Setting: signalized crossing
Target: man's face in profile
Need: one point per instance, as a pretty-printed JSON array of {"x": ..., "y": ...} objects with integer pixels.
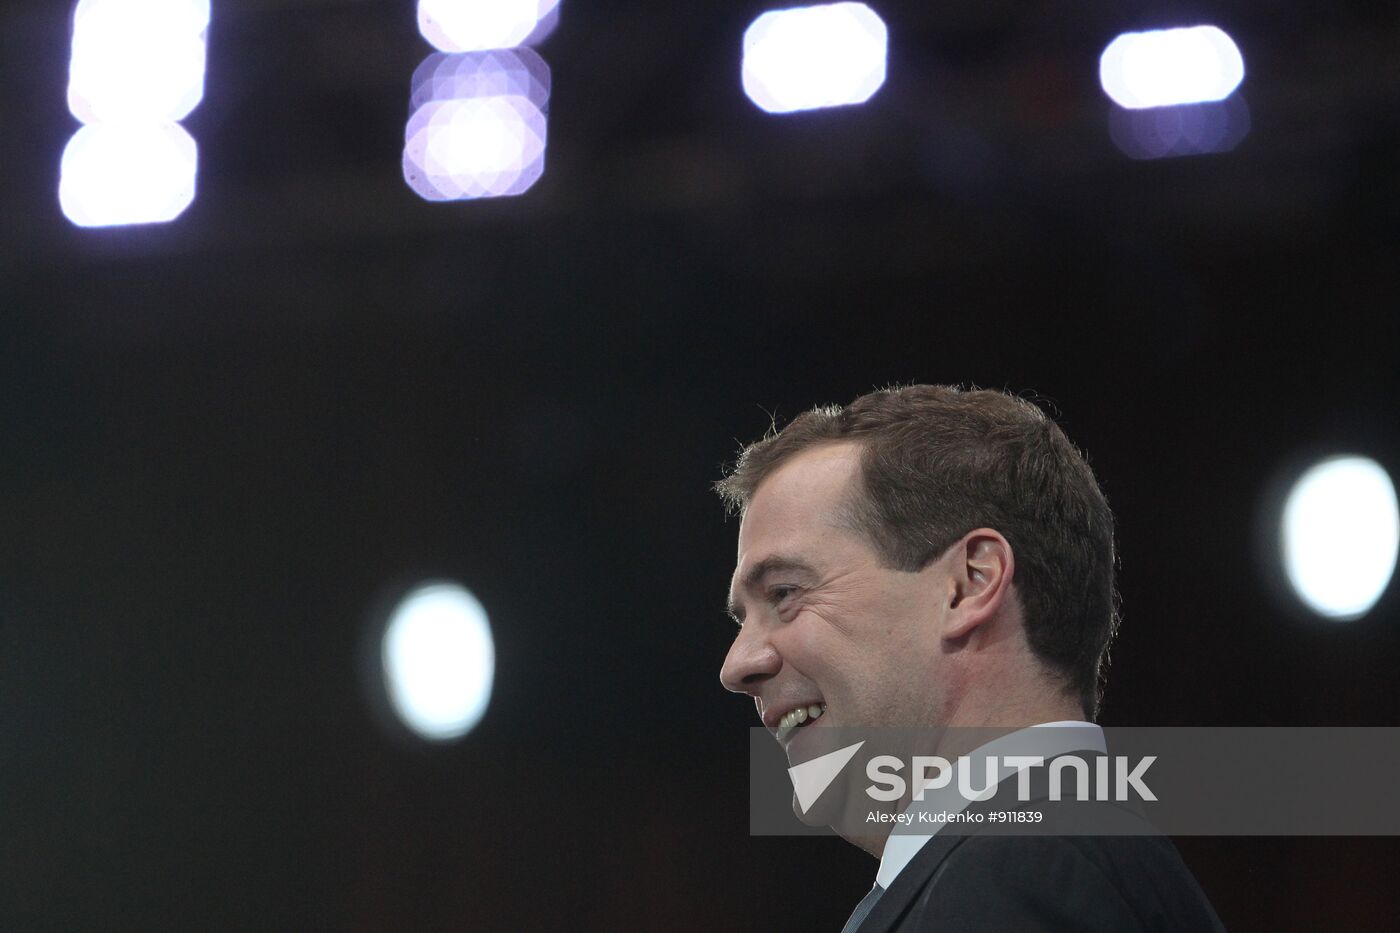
[{"x": 824, "y": 623}]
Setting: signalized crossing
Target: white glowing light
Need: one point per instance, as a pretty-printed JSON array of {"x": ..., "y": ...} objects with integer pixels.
[
  {"x": 1341, "y": 534},
  {"x": 475, "y": 25},
  {"x": 478, "y": 128},
  {"x": 136, "y": 67},
  {"x": 477, "y": 147},
  {"x": 1170, "y": 66},
  {"x": 137, "y": 60},
  {"x": 120, "y": 173},
  {"x": 810, "y": 57},
  {"x": 439, "y": 661},
  {"x": 166, "y": 17}
]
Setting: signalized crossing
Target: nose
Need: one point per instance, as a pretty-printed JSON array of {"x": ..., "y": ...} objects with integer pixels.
[{"x": 751, "y": 661}]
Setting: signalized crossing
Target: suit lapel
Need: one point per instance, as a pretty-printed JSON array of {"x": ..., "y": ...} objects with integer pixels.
[{"x": 895, "y": 903}]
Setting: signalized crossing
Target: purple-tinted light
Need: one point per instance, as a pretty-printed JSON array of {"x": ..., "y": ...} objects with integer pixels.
[
  {"x": 1190, "y": 129},
  {"x": 475, "y": 147},
  {"x": 478, "y": 128},
  {"x": 517, "y": 72}
]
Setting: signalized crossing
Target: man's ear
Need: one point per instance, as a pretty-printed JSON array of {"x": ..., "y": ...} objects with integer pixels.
[{"x": 981, "y": 568}]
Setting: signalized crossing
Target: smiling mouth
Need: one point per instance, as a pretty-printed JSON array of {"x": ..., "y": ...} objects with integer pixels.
[{"x": 797, "y": 718}]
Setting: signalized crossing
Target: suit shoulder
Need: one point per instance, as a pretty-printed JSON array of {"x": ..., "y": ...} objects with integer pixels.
[{"x": 1128, "y": 883}]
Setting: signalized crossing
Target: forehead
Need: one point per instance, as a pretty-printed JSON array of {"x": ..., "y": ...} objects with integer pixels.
[{"x": 801, "y": 503}]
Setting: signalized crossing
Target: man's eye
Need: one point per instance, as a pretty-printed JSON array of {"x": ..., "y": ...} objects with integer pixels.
[{"x": 780, "y": 593}]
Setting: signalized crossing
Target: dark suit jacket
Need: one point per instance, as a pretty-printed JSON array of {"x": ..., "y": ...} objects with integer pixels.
[{"x": 1000, "y": 883}]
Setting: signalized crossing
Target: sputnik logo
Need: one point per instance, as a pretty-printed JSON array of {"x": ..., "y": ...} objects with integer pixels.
[{"x": 811, "y": 778}]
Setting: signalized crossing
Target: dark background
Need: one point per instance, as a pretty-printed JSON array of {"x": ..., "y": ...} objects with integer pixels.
[{"x": 225, "y": 440}]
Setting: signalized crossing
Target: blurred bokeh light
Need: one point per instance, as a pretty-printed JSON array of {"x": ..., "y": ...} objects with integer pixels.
[
  {"x": 137, "y": 60},
  {"x": 1340, "y": 534},
  {"x": 519, "y": 72},
  {"x": 811, "y": 57},
  {"x": 478, "y": 127},
  {"x": 476, "y": 25},
  {"x": 136, "y": 67},
  {"x": 439, "y": 661},
  {"x": 1166, "y": 67},
  {"x": 1189, "y": 129},
  {"x": 122, "y": 173}
]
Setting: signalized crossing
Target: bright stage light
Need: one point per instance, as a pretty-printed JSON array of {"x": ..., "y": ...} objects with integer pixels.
[
  {"x": 811, "y": 57},
  {"x": 137, "y": 60},
  {"x": 1166, "y": 67},
  {"x": 439, "y": 661},
  {"x": 136, "y": 67},
  {"x": 1340, "y": 536},
  {"x": 476, "y": 148},
  {"x": 478, "y": 128},
  {"x": 476, "y": 25},
  {"x": 118, "y": 173}
]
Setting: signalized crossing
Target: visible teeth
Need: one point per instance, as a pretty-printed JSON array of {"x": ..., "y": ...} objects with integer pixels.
[{"x": 796, "y": 717}]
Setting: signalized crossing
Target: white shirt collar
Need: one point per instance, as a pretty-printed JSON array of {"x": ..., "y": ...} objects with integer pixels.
[{"x": 1041, "y": 739}]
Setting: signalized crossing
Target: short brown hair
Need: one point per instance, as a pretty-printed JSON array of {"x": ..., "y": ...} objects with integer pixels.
[{"x": 940, "y": 461}]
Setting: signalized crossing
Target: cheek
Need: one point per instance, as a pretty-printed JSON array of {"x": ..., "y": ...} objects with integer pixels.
[
  {"x": 841, "y": 668},
  {"x": 901, "y": 625},
  {"x": 802, "y": 645},
  {"x": 808, "y": 647}
]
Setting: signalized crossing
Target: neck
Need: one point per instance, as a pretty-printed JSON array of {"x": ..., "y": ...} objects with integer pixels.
[
  {"x": 970, "y": 730},
  {"x": 1010, "y": 711}
]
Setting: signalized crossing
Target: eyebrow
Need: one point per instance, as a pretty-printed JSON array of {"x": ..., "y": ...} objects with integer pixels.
[{"x": 762, "y": 569}]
